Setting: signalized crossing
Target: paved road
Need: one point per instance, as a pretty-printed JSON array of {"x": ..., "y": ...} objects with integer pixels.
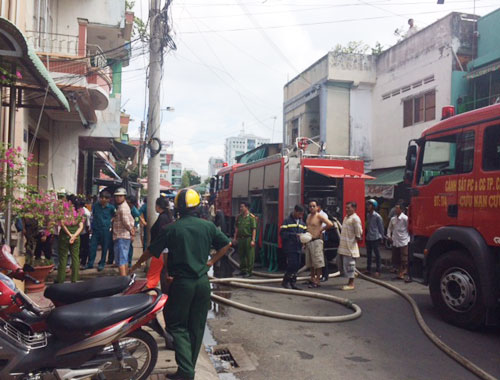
[{"x": 385, "y": 343}]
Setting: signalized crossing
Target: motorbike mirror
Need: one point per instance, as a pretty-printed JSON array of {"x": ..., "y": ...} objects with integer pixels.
[{"x": 28, "y": 268}]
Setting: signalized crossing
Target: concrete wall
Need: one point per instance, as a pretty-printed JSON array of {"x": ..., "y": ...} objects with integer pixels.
[
  {"x": 316, "y": 73},
  {"x": 427, "y": 53},
  {"x": 361, "y": 123},
  {"x": 335, "y": 119},
  {"x": 66, "y": 12},
  {"x": 488, "y": 41},
  {"x": 351, "y": 68}
]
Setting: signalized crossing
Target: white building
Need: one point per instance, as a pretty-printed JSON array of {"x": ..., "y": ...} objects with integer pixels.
[
  {"x": 214, "y": 165},
  {"x": 175, "y": 174},
  {"x": 84, "y": 46},
  {"x": 166, "y": 156},
  {"x": 372, "y": 106},
  {"x": 240, "y": 144}
]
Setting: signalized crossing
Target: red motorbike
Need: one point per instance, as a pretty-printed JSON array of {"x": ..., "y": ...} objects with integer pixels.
[
  {"x": 99, "y": 338},
  {"x": 69, "y": 293}
]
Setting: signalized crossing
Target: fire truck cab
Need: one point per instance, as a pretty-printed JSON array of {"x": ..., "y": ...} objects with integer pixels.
[
  {"x": 274, "y": 185},
  {"x": 453, "y": 171}
]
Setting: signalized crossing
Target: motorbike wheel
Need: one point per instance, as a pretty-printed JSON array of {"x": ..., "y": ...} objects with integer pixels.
[{"x": 140, "y": 352}]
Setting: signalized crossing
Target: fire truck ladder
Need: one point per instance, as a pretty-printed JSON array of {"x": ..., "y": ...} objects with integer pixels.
[{"x": 292, "y": 184}]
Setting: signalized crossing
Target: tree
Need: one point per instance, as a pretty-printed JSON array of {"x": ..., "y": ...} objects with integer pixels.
[
  {"x": 189, "y": 179},
  {"x": 357, "y": 47}
]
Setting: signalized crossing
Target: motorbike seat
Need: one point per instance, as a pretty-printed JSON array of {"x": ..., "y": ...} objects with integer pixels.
[
  {"x": 80, "y": 320},
  {"x": 67, "y": 293}
]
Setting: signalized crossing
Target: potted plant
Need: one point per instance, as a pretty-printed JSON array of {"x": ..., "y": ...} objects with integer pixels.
[{"x": 40, "y": 212}]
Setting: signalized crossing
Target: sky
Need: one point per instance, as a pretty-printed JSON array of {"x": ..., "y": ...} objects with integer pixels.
[{"x": 234, "y": 57}]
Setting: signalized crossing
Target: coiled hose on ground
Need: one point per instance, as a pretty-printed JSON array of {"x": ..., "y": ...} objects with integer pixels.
[{"x": 276, "y": 278}]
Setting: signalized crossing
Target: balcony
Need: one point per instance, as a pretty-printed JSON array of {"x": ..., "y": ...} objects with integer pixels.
[
  {"x": 53, "y": 43},
  {"x": 80, "y": 68}
]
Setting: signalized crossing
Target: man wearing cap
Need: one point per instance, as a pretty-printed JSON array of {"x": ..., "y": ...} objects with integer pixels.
[
  {"x": 189, "y": 241},
  {"x": 102, "y": 213},
  {"x": 123, "y": 231}
]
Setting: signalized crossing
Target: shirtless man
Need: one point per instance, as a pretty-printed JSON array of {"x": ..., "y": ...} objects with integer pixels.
[{"x": 316, "y": 224}]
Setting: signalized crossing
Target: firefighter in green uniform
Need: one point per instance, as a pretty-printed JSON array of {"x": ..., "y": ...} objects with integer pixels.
[
  {"x": 244, "y": 235},
  {"x": 188, "y": 240}
]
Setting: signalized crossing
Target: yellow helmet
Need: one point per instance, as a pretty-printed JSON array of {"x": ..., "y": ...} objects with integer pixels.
[{"x": 187, "y": 199}]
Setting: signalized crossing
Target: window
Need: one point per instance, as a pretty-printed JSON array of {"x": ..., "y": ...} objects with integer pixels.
[
  {"x": 491, "y": 148},
  {"x": 452, "y": 154},
  {"x": 420, "y": 108},
  {"x": 226, "y": 181}
]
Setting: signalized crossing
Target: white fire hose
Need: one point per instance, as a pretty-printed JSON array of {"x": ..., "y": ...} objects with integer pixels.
[{"x": 277, "y": 278}]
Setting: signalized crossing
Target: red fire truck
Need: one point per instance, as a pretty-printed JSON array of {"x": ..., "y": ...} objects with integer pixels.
[
  {"x": 274, "y": 185},
  {"x": 454, "y": 175}
]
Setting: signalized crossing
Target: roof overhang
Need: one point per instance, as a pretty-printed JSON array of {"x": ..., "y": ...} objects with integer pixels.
[
  {"x": 119, "y": 150},
  {"x": 483, "y": 70},
  {"x": 17, "y": 52},
  {"x": 338, "y": 172}
]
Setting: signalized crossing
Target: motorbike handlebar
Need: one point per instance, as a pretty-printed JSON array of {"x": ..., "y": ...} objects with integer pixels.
[
  {"x": 32, "y": 279},
  {"x": 27, "y": 304}
]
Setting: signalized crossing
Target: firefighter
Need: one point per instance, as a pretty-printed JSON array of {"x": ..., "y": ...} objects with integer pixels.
[
  {"x": 244, "y": 235},
  {"x": 290, "y": 232}
]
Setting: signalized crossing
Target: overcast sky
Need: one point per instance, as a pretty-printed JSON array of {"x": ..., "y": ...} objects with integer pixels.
[{"x": 233, "y": 58}]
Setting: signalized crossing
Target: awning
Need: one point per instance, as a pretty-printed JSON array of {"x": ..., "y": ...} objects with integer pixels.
[
  {"x": 391, "y": 176},
  {"x": 383, "y": 185},
  {"x": 119, "y": 150},
  {"x": 34, "y": 76},
  {"x": 483, "y": 70},
  {"x": 337, "y": 172}
]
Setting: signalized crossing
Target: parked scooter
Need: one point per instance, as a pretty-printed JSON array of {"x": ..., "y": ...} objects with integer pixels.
[
  {"x": 98, "y": 338},
  {"x": 69, "y": 293}
]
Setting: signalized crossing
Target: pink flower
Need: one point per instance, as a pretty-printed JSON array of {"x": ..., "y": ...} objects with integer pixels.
[
  {"x": 19, "y": 149},
  {"x": 19, "y": 75},
  {"x": 30, "y": 157}
]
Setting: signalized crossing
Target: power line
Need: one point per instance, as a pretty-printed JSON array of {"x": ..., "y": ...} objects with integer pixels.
[{"x": 323, "y": 22}]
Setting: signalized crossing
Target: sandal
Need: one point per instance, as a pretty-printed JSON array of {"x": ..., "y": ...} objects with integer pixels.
[
  {"x": 313, "y": 285},
  {"x": 347, "y": 287}
]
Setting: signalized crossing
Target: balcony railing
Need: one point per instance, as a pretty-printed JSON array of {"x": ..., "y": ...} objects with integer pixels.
[
  {"x": 469, "y": 103},
  {"x": 53, "y": 43}
]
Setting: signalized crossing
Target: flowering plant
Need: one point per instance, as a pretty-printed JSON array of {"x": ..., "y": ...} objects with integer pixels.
[{"x": 41, "y": 212}]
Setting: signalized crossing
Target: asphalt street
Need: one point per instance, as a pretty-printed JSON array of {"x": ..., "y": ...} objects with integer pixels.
[{"x": 385, "y": 343}]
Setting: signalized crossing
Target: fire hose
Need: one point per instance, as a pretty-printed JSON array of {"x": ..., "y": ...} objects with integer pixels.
[{"x": 276, "y": 278}]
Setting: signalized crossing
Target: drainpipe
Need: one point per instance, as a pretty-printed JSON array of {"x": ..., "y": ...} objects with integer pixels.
[{"x": 12, "y": 136}]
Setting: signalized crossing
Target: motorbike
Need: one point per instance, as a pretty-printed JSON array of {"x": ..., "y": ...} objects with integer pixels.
[
  {"x": 100, "y": 338},
  {"x": 69, "y": 293}
]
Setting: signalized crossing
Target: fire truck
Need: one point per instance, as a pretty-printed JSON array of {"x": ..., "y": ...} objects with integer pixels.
[
  {"x": 273, "y": 185},
  {"x": 453, "y": 171}
]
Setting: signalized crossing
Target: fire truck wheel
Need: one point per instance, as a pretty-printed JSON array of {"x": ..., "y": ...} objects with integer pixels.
[{"x": 455, "y": 290}]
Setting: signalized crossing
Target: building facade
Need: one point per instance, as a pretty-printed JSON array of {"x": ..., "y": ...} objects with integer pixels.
[
  {"x": 166, "y": 157},
  {"x": 84, "y": 45},
  {"x": 214, "y": 165},
  {"x": 240, "y": 144},
  {"x": 371, "y": 106},
  {"x": 175, "y": 174}
]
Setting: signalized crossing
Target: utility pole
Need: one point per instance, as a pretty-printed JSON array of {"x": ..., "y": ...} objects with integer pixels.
[
  {"x": 142, "y": 147},
  {"x": 154, "y": 84}
]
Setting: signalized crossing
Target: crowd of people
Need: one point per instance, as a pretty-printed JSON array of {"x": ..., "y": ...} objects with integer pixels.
[{"x": 307, "y": 235}]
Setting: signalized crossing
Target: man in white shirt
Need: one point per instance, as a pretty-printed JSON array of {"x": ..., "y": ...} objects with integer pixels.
[
  {"x": 348, "y": 251},
  {"x": 399, "y": 237}
]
